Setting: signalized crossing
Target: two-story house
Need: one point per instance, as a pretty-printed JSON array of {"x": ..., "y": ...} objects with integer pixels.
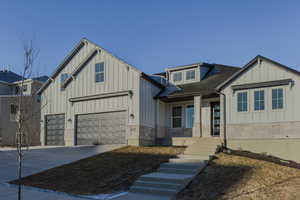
[
  {"x": 10, "y": 89},
  {"x": 94, "y": 97}
]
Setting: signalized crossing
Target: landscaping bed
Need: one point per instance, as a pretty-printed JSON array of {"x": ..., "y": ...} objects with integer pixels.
[
  {"x": 243, "y": 178},
  {"x": 104, "y": 173}
]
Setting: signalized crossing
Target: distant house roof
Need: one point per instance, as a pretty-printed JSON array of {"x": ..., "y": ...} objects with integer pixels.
[
  {"x": 9, "y": 76},
  {"x": 41, "y": 78},
  {"x": 217, "y": 75}
]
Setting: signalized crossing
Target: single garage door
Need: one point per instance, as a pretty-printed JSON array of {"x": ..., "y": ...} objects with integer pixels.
[
  {"x": 101, "y": 128},
  {"x": 55, "y": 128}
]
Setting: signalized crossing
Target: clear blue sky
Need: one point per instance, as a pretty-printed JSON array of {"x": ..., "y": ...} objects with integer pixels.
[{"x": 153, "y": 34}]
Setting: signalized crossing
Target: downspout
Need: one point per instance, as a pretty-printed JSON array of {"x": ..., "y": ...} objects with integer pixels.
[{"x": 224, "y": 118}]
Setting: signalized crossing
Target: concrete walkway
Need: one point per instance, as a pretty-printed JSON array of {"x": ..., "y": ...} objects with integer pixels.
[
  {"x": 173, "y": 176},
  {"x": 40, "y": 159}
]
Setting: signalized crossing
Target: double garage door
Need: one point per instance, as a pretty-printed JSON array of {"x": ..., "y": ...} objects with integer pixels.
[
  {"x": 101, "y": 128},
  {"x": 98, "y": 128}
]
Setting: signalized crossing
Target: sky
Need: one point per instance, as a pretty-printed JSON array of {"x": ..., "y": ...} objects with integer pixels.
[{"x": 152, "y": 34}]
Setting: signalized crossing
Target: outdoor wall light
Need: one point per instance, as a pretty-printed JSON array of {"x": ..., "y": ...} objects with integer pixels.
[
  {"x": 131, "y": 116},
  {"x": 69, "y": 120}
]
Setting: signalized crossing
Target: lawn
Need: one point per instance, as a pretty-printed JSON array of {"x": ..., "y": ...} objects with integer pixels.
[
  {"x": 104, "y": 173},
  {"x": 242, "y": 178}
]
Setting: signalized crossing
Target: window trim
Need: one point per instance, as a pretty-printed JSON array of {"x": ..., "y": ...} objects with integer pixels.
[
  {"x": 185, "y": 112},
  {"x": 187, "y": 71},
  {"x": 96, "y": 73},
  {"x": 173, "y": 79},
  {"x": 181, "y": 117},
  {"x": 283, "y": 99},
  {"x": 248, "y": 103},
  {"x": 265, "y": 100}
]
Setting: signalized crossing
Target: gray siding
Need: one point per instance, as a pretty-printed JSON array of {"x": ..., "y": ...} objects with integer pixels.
[{"x": 5, "y": 89}]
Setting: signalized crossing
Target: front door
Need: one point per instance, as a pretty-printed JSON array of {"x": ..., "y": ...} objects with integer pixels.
[{"x": 215, "y": 119}]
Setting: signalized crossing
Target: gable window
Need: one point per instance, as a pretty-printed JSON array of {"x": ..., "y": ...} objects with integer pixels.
[
  {"x": 190, "y": 75},
  {"x": 259, "y": 100},
  {"x": 242, "y": 102},
  {"x": 177, "y": 76},
  {"x": 63, "y": 78},
  {"x": 189, "y": 113},
  {"x": 177, "y": 117},
  {"x": 277, "y": 98},
  {"x": 99, "y": 72}
]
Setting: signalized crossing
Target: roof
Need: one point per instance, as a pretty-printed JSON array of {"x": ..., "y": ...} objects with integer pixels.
[
  {"x": 217, "y": 75},
  {"x": 9, "y": 76},
  {"x": 41, "y": 78},
  {"x": 250, "y": 64}
]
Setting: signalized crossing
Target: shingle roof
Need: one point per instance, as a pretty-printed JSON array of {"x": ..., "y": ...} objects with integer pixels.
[
  {"x": 9, "y": 76},
  {"x": 207, "y": 86},
  {"x": 41, "y": 78}
]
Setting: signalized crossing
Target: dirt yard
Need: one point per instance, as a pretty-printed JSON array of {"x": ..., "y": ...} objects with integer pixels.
[
  {"x": 241, "y": 178},
  {"x": 104, "y": 173}
]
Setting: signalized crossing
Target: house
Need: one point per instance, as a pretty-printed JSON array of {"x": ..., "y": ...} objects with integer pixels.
[
  {"x": 94, "y": 97},
  {"x": 10, "y": 88}
]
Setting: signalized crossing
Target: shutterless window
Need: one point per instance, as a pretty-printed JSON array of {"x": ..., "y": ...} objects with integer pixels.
[
  {"x": 242, "y": 101},
  {"x": 177, "y": 76},
  {"x": 13, "y": 109},
  {"x": 189, "y": 113},
  {"x": 259, "y": 100},
  {"x": 25, "y": 88},
  {"x": 99, "y": 72},
  {"x": 190, "y": 75},
  {"x": 277, "y": 98},
  {"x": 177, "y": 117}
]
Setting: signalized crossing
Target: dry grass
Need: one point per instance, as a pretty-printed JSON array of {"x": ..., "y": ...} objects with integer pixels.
[
  {"x": 241, "y": 178},
  {"x": 104, "y": 173}
]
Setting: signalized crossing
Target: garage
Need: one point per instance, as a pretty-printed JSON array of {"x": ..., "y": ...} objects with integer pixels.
[
  {"x": 101, "y": 128},
  {"x": 55, "y": 128}
]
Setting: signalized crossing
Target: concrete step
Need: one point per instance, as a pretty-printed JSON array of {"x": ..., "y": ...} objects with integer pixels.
[
  {"x": 153, "y": 191},
  {"x": 183, "y": 165},
  {"x": 194, "y": 156},
  {"x": 154, "y": 184},
  {"x": 185, "y": 161},
  {"x": 177, "y": 171},
  {"x": 166, "y": 178}
]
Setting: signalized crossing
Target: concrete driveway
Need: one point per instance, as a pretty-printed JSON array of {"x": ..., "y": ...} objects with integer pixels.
[{"x": 37, "y": 160}]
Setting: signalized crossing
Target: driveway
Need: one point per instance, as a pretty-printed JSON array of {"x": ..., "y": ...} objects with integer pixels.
[{"x": 36, "y": 160}]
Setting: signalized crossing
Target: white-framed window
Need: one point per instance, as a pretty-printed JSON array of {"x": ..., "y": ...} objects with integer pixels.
[
  {"x": 99, "y": 72},
  {"x": 259, "y": 100},
  {"x": 189, "y": 116},
  {"x": 242, "y": 101},
  {"x": 177, "y": 117},
  {"x": 190, "y": 75},
  {"x": 177, "y": 76},
  {"x": 277, "y": 98}
]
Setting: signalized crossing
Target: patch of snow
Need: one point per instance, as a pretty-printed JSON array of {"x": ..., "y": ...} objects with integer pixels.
[{"x": 105, "y": 196}]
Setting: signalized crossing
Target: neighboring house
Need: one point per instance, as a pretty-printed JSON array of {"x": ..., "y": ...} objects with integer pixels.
[
  {"x": 94, "y": 97},
  {"x": 10, "y": 88}
]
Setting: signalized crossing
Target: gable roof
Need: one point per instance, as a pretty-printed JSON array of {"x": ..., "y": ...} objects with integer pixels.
[
  {"x": 9, "y": 76},
  {"x": 205, "y": 87},
  {"x": 250, "y": 64}
]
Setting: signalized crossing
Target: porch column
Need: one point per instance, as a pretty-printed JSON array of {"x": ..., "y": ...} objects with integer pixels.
[{"x": 197, "y": 116}]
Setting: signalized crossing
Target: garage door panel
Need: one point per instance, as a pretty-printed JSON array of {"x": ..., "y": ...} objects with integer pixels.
[
  {"x": 102, "y": 128},
  {"x": 55, "y": 125}
]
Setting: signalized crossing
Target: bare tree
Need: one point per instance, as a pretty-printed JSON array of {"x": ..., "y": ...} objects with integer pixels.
[{"x": 26, "y": 110}]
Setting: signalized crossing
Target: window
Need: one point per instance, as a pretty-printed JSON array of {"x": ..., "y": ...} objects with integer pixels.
[
  {"x": 242, "y": 101},
  {"x": 13, "y": 112},
  {"x": 176, "y": 117},
  {"x": 63, "y": 78},
  {"x": 177, "y": 76},
  {"x": 189, "y": 113},
  {"x": 99, "y": 72},
  {"x": 277, "y": 98},
  {"x": 25, "y": 87},
  {"x": 190, "y": 75},
  {"x": 17, "y": 89},
  {"x": 259, "y": 100}
]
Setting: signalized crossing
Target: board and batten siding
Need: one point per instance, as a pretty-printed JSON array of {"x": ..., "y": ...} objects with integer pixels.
[{"x": 118, "y": 77}]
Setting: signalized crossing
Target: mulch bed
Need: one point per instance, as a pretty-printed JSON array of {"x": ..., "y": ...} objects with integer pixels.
[{"x": 104, "y": 173}]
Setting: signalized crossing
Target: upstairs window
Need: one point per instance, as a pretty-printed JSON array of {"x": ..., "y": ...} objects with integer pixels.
[
  {"x": 177, "y": 117},
  {"x": 242, "y": 102},
  {"x": 177, "y": 76},
  {"x": 259, "y": 100},
  {"x": 13, "y": 112},
  {"x": 190, "y": 75},
  {"x": 99, "y": 72},
  {"x": 25, "y": 88},
  {"x": 277, "y": 98}
]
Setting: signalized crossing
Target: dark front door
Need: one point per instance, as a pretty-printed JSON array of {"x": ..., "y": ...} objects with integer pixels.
[{"x": 215, "y": 119}]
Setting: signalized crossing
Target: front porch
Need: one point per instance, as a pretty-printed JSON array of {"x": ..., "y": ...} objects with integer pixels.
[{"x": 190, "y": 119}]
